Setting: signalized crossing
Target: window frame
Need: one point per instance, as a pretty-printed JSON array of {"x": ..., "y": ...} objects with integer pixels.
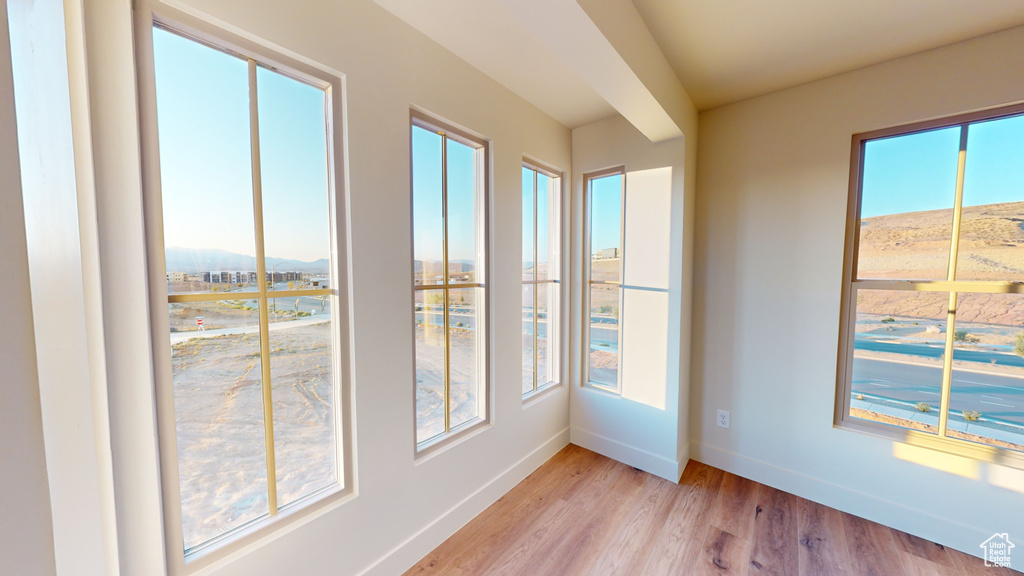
[
  {"x": 850, "y": 283},
  {"x": 587, "y": 282},
  {"x": 453, "y": 434},
  {"x": 555, "y": 337},
  {"x": 332, "y": 82}
]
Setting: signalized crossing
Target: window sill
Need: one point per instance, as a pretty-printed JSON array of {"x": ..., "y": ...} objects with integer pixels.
[
  {"x": 536, "y": 396},
  {"x": 954, "y": 446},
  {"x": 234, "y": 544},
  {"x": 438, "y": 444}
]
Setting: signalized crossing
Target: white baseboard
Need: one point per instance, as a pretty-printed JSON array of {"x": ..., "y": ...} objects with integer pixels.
[
  {"x": 682, "y": 459},
  {"x": 657, "y": 465},
  {"x": 409, "y": 552},
  {"x": 920, "y": 523}
]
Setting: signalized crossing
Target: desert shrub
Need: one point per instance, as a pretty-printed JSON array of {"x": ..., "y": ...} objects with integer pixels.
[
  {"x": 888, "y": 320},
  {"x": 971, "y": 416},
  {"x": 923, "y": 407},
  {"x": 1018, "y": 344}
]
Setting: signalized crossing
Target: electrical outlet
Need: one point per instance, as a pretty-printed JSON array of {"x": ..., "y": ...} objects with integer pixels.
[{"x": 723, "y": 419}]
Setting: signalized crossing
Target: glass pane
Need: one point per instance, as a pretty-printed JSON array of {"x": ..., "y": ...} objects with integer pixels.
[
  {"x": 304, "y": 309},
  {"x": 427, "y": 207},
  {"x": 528, "y": 230},
  {"x": 604, "y": 334},
  {"x": 462, "y": 211},
  {"x": 605, "y": 223},
  {"x": 554, "y": 235},
  {"x": 908, "y": 190},
  {"x": 897, "y": 360},
  {"x": 464, "y": 318},
  {"x": 545, "y": 372},
  {"x": 305, "y": 434},
  {"x": 543, "y": 227},
  {"x": 991, "y": 237},
  {"x": 430, "y": 370},
  {"x": 986, "y": 401},
  {"x": 293, "y": 164},
  {"x": 528, "y": 340},
  {"x": 205, "y": 167},
  {"x": 218, "y": 412}
]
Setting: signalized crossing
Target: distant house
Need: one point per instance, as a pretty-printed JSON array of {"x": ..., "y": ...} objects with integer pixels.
[{"x": 607, "y": 253}]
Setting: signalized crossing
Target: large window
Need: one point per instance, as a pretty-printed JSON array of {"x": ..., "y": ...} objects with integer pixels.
[
  {"x": 541, "y": 272},
  {"x": 247, "y": 233},
  {"x": 605, "y": 199},
  {"x": 933, "y": 310},
  {"x": 449, "y": 247}
]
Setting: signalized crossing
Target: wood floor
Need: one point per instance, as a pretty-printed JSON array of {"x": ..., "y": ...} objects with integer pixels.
[{"x": 582, "y": 513}]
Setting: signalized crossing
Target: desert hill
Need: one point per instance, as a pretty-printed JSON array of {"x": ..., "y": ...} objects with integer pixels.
[{"x": 915, "y": 246}]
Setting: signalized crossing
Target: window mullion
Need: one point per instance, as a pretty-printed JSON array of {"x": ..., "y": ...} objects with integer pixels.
[
  {"x": 536, "y": 272},
  {"x": 622, "y": 277},
  {"x": 954, "y": 247},
  {"x": 261, "y": 280},
  {"x": 444, "y": 282}
]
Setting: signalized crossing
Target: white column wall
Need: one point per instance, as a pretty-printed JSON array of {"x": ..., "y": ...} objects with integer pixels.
[
  {"x": 26, "y": 531},
  {"x": 645, "y": 425}
]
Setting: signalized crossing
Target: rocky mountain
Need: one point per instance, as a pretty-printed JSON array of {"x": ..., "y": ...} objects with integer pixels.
[{"x": 193, "y": 260}]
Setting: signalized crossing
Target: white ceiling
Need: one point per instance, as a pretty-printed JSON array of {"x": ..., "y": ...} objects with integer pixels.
[
  {"x": 493, "y": 40},
  {"x": 582, "y": 60},
  {"x": 728, "y": 50}
]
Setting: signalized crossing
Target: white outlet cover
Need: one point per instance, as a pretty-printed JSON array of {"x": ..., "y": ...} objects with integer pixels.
[{"x": 723, "y": 419}]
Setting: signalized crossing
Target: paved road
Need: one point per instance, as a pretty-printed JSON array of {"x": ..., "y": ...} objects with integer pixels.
[
  {"x": 994, "y": 395},
  {"x": 929, "y": 350},
  {"x": 601, "y": 337}
]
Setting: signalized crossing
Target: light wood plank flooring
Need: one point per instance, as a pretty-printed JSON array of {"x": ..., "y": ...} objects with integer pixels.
[{"x": 582, "y": 513}]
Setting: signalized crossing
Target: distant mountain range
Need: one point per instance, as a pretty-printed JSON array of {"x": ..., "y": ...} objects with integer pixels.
[{"x": 194, "y": 260}]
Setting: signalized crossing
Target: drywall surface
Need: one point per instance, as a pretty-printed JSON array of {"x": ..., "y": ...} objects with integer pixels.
[
  {"x": 641, "y": 424},
  {"x": 404, "y": 507},
  {"x": 773, "y": 178},
  {"x": 26, "y": 531}
]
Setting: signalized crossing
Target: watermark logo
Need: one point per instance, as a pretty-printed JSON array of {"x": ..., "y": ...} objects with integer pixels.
[{"x": 997, "y": 550}]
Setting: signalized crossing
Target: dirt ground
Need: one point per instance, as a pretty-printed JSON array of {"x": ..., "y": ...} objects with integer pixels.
[
  {"x": 430, "y": 379},
  {"x": 904, "y": 423},
  {"x": 219, "y": 416}
]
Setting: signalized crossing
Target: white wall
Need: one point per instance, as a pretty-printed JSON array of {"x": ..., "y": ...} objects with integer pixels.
[
  {"x": 404, "y": 508},
  {"x": 644, "y": 426},
  {"x": 772, "y": 192},
  {"x": 26, "y": 531}
]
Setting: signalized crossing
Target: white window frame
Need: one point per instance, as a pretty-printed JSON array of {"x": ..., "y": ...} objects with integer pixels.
[
  {"x": 588, "y": 282},
  {"x": 447, "y": 129},
  {"x": 848, "y": 308},
  {"x": 332, "y": 82},
  {"x": 555, "y": 321}
]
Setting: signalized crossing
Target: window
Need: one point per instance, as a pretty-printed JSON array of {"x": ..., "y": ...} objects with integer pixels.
[
  {"x": 933, "y": 307},
  {"x": 449, "y": 286},
  {"x": 605, "y": 202},
  {"x": 541, "y": 272},
  {"x": 248, "y": 240}
]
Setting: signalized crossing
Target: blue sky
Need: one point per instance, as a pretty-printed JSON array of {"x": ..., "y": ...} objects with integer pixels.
[
  {"x": 543, "y": 200},
  {"x": 917, "y": 172},
  {"x": 205, "y": 156},
  {"x": 605, "y": 212},
  {"x": 428, "y": 231}
]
